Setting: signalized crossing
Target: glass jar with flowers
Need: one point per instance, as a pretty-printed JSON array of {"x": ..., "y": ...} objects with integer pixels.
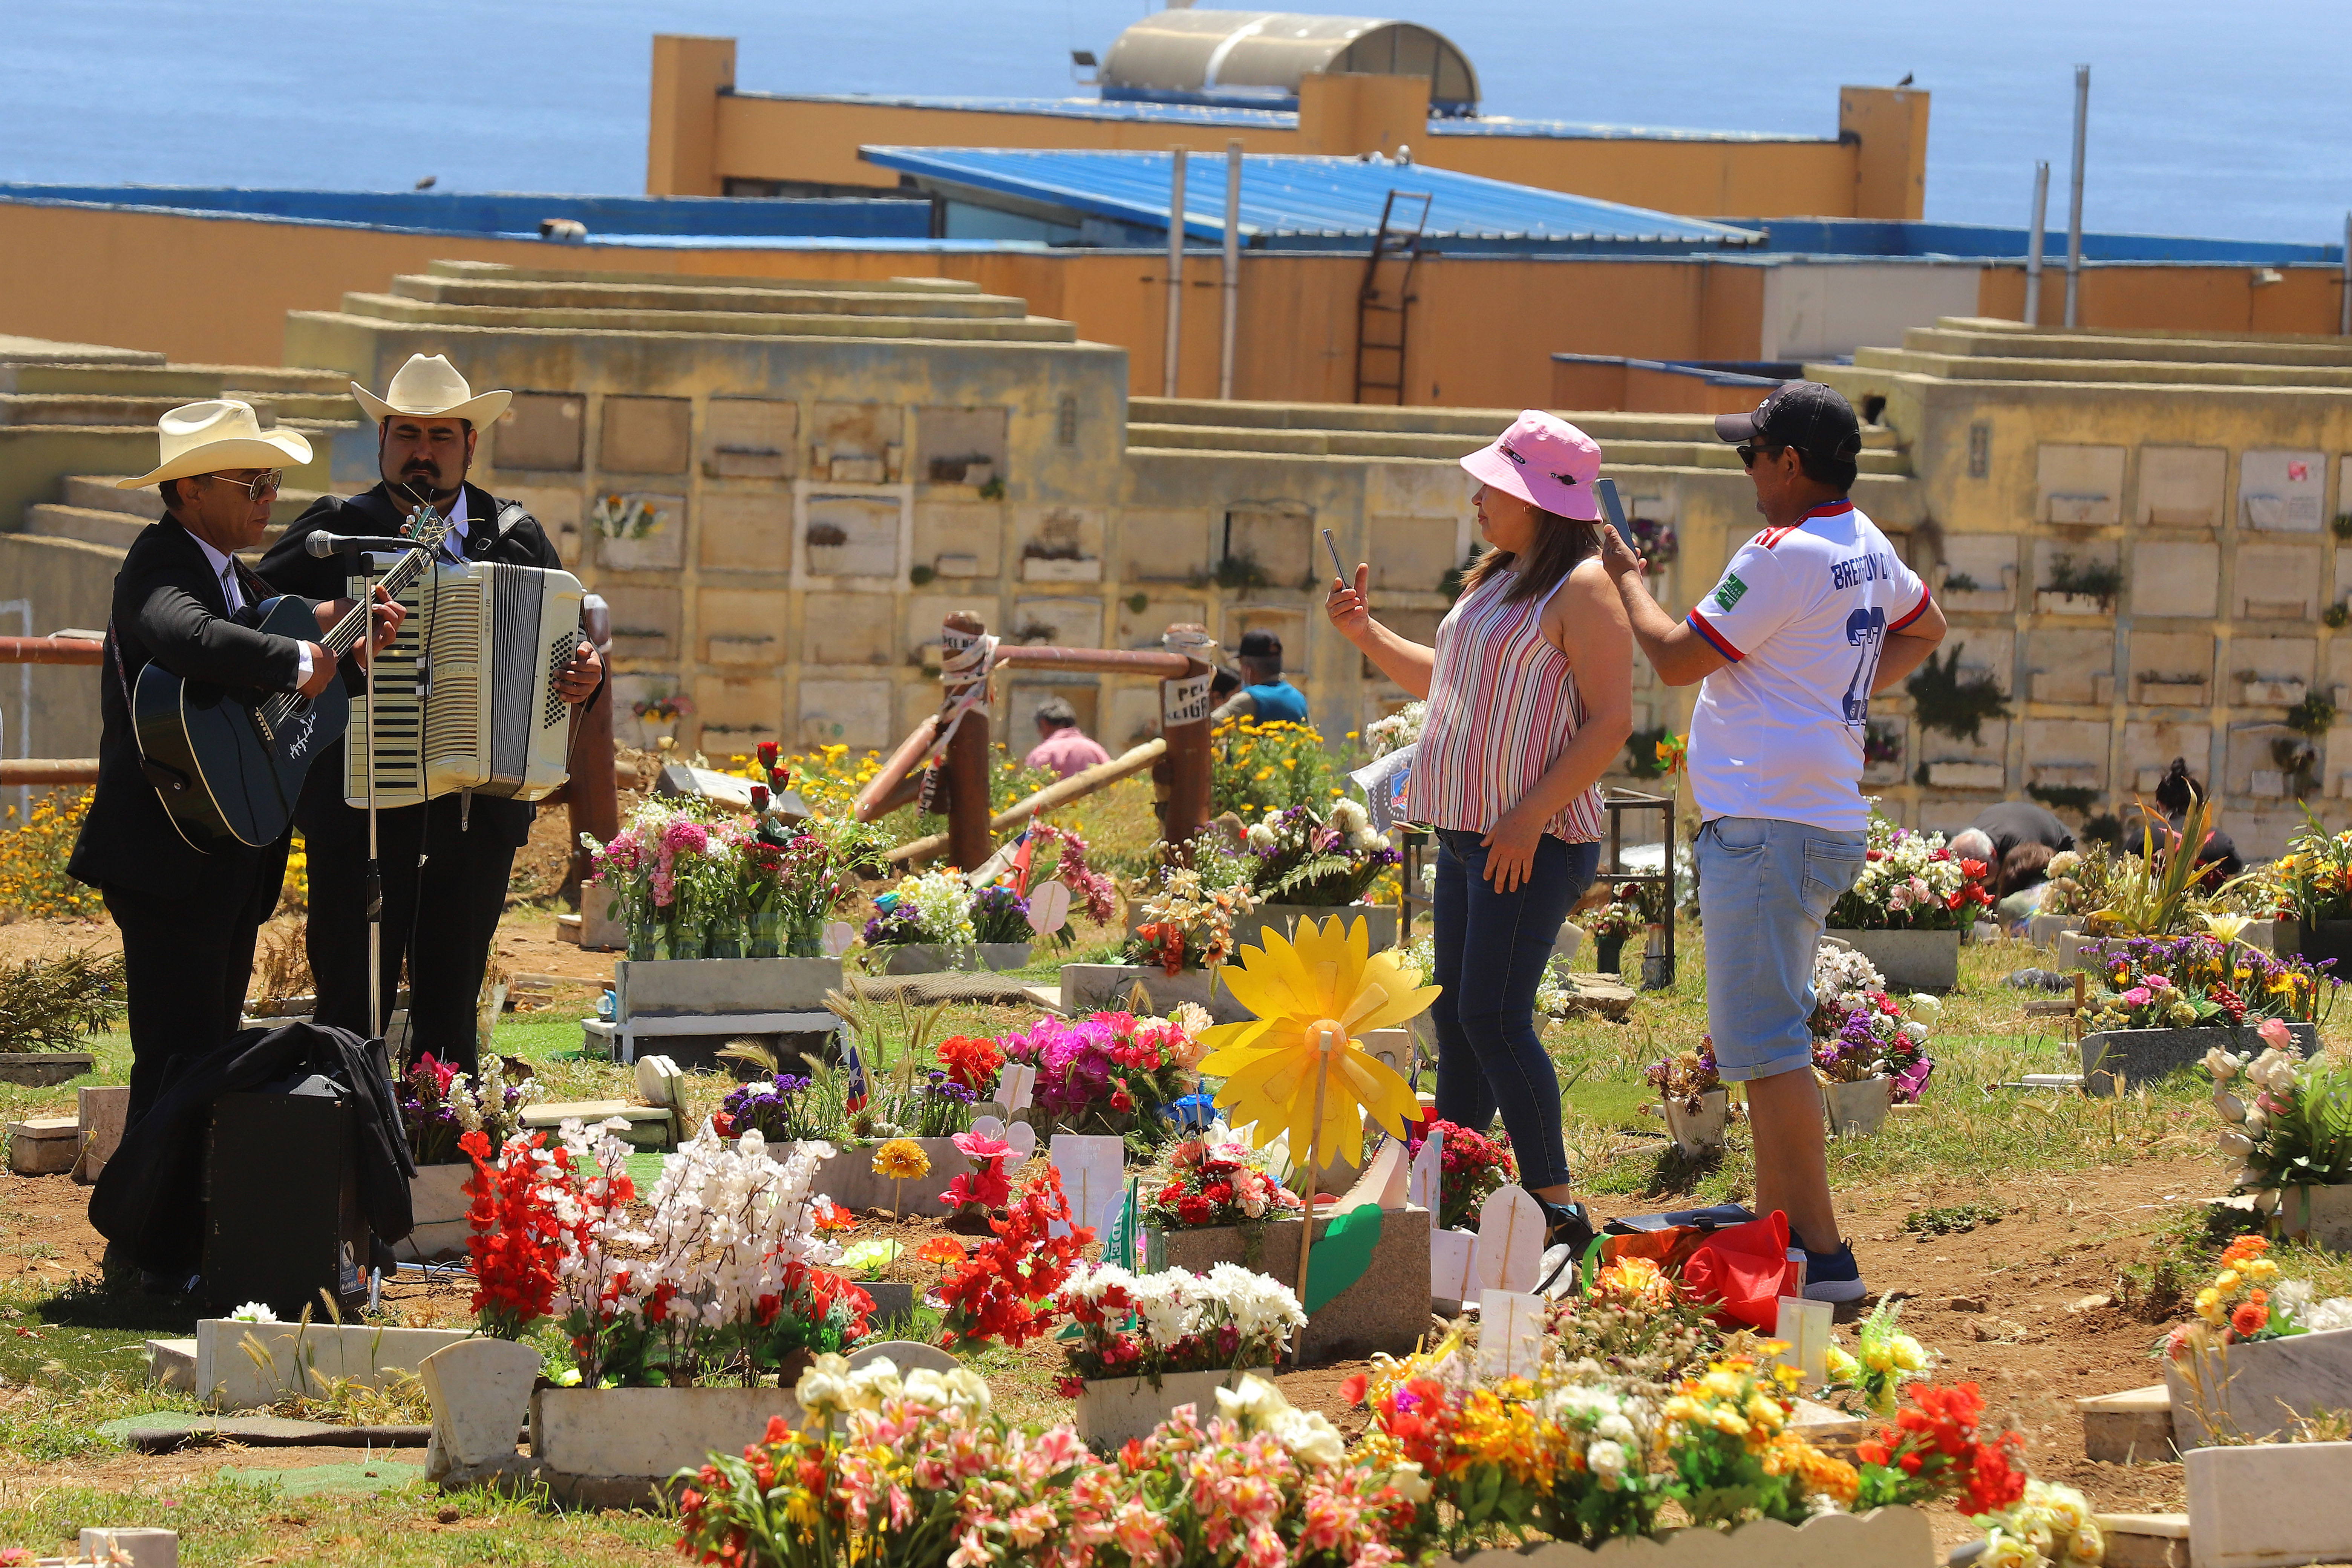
[
  {"x": 1614, "y": 924},
  {"x": 1149, "y": 1342}
]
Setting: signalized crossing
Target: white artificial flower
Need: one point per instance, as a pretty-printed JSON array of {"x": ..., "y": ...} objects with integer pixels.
[
  {"x": 1926, "y": 1008},
  {"x": 1914, "y": 1031},
  {"x": 824, "y": 1387},
  {"x": 253, "y": 1312},
  {"x": 2221, "y": 1065},
  {"x": 1410, "y": 1483},
  {"x": 875, "y": 1381},
  {"x": 1606, "y": 1459},
  {"x": 1309, "y": 1436},
  {"x": 1260, "y": 835},
  {"x": 967, "y": 1388},
  {"x": 2335, "y": 1312},
  {"x": 1349, "y": 817},
  {"x": 2274, "y": 1071},
  {"x": 2232, "y": 1110},
  {"x": 1251, "y": 1402},
  {"x": 2234, "y": 1144}
]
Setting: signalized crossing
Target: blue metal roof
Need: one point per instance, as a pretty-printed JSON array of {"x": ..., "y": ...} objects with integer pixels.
[
  {"x": 1286, "y": 200},
  {"x": 610, "y": 220}
]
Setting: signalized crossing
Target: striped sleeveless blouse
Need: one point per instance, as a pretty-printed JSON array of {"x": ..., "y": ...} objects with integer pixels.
[{"x": 1503, "y": 706}]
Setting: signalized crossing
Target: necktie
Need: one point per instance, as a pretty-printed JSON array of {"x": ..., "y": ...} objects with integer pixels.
[{"x": 229, "y": 595}]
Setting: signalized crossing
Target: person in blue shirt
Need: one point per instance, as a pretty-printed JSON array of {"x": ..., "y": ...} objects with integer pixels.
[{"x": 1264, "y": 695}]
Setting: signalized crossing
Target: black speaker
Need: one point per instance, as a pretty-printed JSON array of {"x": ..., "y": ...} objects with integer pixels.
[{"x": 282, "y": 1217}]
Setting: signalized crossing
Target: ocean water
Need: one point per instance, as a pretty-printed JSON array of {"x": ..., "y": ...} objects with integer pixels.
[{"x": 2207, "y": 120}]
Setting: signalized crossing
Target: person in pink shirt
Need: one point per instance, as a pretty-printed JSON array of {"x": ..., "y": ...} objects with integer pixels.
[{"x": 1061, "y": 744}]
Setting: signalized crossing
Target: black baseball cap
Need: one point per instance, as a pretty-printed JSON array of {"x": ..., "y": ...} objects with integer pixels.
[
  {"x": 1260, "y": 645},
  {"x": 1801, "y": 413}
]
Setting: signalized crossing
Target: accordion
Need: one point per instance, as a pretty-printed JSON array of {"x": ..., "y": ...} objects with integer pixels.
[{"x": 465, "y": 698}]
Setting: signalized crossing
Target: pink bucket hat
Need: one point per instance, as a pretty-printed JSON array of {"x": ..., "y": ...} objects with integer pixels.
[{"x": 1545, "y": 461}]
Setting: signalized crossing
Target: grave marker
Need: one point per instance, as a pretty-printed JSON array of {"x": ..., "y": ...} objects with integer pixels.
[
  {"x": 1511, "y": 1333},
  {"x": 1093, "y": 1172},
  {"x": 1425, "y": 1186},
  {"x": 1510, "y": 1240},
  {"x": 1451, "y": 1255}
]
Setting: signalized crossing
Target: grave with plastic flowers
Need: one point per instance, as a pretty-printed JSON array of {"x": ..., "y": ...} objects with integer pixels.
[{"x": 1298, "y": 1072}]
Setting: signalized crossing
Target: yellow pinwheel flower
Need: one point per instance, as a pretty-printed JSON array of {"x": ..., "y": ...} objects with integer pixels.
[{"x": 1314, "y": 997}]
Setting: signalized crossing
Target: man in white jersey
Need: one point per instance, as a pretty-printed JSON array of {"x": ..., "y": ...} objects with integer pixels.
[{"x": 1811, "y": 616}]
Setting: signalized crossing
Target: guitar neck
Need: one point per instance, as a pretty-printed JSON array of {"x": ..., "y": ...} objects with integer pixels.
[{"x": 345, "y": 634}]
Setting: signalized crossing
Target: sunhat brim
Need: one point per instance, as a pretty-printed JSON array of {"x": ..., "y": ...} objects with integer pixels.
[
  {"x": 477, "y": 411},
  {"x": 1488, "y": 466},
  {"x": 272, "y": 449}
]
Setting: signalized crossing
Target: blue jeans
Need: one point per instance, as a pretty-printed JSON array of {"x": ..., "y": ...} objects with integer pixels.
[
  {"x": 1765, "y": 888},
  {"x": 1491, "y": 950}
]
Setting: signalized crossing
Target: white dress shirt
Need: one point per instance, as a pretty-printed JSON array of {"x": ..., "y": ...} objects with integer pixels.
[{"x": 224, "y": 570}]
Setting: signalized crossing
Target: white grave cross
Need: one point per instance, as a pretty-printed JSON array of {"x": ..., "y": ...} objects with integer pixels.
[
  {"x": 1511, "y": 1333},
  {"x": 1093, "y": 1172},
  {"x": 1425, "y": 1186},
  {"x": 1015, "y": 1084},
  {"x": 1510, "y": 1240}
]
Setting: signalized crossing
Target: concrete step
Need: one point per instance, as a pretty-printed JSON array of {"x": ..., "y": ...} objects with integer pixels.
[
  {"x": 87, "y": 492},
  {"x": 48, "y": 350},
  {"x": 178, "y": 382},
  {"x": 2012, "y": 340},
  {"x": 274, "y": 379},
  {"x": 494, "y": 271},
  {"x": 87, "y": 408},
  {"x": 1478, "y": 424},
  {"x": 97, "y": 492},
  {"x": 337, "y": 407},
  {"x": 116, "y": 530},
  {"x": 417, "y": 312},
  {"x": 685, "y": 295},
  {"x": 1615, "y": 451},
  {"x": 2135, "y": 1425},
  {"x": 2117, "y": 371}
]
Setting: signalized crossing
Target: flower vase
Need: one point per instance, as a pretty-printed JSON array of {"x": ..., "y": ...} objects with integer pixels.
[
  {"x": 723, "y": 938},
  {"x": 806, "y": 942},
  {"x": 645, "y": 945},
  {"x": 1605, "y": 954},
  {"x": 767, "y": 935}
]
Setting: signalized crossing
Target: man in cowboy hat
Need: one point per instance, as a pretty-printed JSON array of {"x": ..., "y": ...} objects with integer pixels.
[
  {"x": 444, "y": 863},
  {"x": 183, "y": 599}
]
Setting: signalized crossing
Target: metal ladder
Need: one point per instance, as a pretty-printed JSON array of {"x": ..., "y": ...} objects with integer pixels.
[{"x": 1398, "y": 247}]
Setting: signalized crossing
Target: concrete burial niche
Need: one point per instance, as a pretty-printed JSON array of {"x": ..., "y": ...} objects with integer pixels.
[
  {"x": 649, "y": 1434},
  {"x": 1093, "y": 987},
  {"x": 242, "y": 1365},
  {"x": 2118, "y": 1060},
  {"x": 1113, "y": 1409},
  {"x": 2261, "y": 1385},
  {"x": 1386, "y": 1308},
  {"x": 2269, "y": 1505}
]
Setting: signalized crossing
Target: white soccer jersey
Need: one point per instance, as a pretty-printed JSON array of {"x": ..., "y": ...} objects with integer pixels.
[{"x": 1802, "y": 614}]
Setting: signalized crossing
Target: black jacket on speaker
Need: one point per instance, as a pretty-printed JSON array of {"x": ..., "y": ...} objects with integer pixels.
[{"x": 150, "y": 1196}]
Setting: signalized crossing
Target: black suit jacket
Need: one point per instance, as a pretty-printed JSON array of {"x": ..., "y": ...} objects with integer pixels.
[
  {"x": 496, "y": 531},
  {"x": 168, "y": 608}
]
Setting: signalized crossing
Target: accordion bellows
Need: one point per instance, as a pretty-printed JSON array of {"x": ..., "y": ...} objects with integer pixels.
[{"x": 465, "y": 698}]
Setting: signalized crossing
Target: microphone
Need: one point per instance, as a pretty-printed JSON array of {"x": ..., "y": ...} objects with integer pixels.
[{"x": 324, "y": 544}]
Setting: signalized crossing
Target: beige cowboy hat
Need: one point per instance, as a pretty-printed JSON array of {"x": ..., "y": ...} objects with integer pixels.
[
  {"x": 429, "y": 387},
  {"x": 213, "y": 437}
]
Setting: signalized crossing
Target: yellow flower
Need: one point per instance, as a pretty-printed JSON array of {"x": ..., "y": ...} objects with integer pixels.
[
  {"x": 901, "y": 1159},
  {"x": 1842, "y": 1368},
  {"x": 2226, "y": 1280},
  {"x": 1909, "y": 1355},
  {"x": 1313, "y": 998},
  {"x": 2209, "y": 1304}
]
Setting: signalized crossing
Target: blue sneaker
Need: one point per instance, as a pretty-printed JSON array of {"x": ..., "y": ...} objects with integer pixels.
[{"x": 1833, "y": 1276}]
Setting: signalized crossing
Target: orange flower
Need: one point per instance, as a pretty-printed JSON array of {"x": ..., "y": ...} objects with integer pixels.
[
  {"x": 942, "y": 1250},
  {"x": 2244, "y": 1247},
  {"x": 832, "y": 1219},
  {"x": 2249, "y": 1318}
]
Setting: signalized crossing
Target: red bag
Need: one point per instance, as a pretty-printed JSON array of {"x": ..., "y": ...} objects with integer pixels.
[{"x": 1746, "y": 1269}]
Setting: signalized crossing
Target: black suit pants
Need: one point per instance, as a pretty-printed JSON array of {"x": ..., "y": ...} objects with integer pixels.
[
  {"x": 441, "y": 917},
  {"x": 188, "y": 960}
]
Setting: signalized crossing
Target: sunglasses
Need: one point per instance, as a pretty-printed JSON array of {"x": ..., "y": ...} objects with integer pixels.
[
  {"x": 262, "y": 486},
  {"x": 1750, "y": 450}
]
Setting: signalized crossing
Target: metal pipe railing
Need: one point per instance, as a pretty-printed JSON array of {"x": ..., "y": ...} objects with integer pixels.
[{"x": 50, "y": 650}]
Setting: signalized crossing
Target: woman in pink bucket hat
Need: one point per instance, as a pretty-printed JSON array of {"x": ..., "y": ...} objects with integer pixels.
[{"x": 1530, "y": 696}]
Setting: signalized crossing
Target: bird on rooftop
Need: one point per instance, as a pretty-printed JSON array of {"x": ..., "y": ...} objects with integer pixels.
[
  {"x": 1906, "y": 81},
  {"x": 427, "y": 183}
]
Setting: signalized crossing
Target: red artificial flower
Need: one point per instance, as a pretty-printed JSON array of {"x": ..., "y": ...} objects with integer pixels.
[
  {"x": 1122, "y": 1101},
  {"x": 1000, "y": 1290},
  {"x": 769, "y": 751},
  {"x": 971, "y": 1061},
  {"x": 1195, "y": 1210},
  {"x": 2249, "y": 1319},
  {"x": 1351, "y": 1387}
]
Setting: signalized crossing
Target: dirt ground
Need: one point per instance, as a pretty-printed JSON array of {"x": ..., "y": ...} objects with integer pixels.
[{"x": 2024, "y": 1306}]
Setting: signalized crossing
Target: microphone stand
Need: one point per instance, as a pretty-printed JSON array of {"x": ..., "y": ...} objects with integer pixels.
[{"x": 371, "y": 879}]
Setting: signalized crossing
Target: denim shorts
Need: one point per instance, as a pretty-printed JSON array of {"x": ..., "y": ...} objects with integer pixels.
[{"x": 1765, "y": 888}]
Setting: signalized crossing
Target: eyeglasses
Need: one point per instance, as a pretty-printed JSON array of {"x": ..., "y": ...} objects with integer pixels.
[
  {"x": 262, "y": 486},
  {"x": 1750, "y": 450}
]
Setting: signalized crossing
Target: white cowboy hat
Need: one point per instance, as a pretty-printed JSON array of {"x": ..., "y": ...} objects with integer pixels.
[
  {"x": 213, "y": 437},
  {"x": 429, "y": 387}
]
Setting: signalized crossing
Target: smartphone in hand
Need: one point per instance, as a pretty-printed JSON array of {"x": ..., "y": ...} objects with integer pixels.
[
  {"x": 1614, "y": 510},
  {"x": 1336, "y": 565}
]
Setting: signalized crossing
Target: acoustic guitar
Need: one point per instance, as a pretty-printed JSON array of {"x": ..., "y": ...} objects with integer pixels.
[{"x": 227, "y": 762}]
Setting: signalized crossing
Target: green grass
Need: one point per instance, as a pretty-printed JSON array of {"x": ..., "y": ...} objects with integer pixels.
[{"x": 227, "y": 1518}]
